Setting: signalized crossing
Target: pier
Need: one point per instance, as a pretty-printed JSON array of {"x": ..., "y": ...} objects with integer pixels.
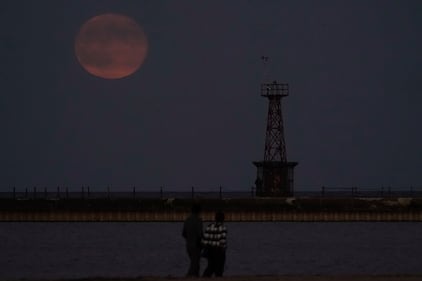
[{"x": 236, "y": 210}]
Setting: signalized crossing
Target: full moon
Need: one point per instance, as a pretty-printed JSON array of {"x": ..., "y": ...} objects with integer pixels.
[{"x": 111, "y": 46}]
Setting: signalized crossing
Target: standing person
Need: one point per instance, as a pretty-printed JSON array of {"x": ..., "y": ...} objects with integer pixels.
[
  {"x": 192, "y": 232},
  {"x": 215, "y": 243}
]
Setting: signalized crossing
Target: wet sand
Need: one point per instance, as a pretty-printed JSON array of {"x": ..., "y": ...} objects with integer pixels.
[{"x": 264, "y": 278}]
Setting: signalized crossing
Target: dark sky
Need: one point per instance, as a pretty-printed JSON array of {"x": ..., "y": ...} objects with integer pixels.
[{"x": 192, "y": 114}]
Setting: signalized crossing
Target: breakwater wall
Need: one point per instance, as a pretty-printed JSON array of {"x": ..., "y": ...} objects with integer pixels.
[
  {"x": 257, "y": 216},
  {"x": 176, "y": 210}
]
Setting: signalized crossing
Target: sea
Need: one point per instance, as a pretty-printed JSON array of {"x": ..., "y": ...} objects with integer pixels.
[{"x": 34, "y": 250}]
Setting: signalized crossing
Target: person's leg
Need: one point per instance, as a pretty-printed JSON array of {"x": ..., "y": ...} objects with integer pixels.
[
  {"x": 220, "y": 262},
  {"x": 194, "y": 257},
  {"x": 196, "y": 261},
  {"x": 211, "y": 264},
  {"x": 208, "y": 269},
  {"x": 190, "y": 254}
]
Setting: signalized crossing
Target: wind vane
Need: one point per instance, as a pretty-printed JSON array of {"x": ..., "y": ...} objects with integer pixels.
[{"x": 265, "y": 73}]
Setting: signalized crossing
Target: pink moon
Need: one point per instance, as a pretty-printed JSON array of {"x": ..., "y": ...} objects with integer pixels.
[{"x": 111, "y": 46}]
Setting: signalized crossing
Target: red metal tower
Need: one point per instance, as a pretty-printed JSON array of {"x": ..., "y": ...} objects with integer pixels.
[{"x": 275, "y": 175}]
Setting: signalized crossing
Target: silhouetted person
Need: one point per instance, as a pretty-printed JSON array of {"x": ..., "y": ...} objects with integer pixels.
[
  {"x": 192, "y": 232},
  {"x": 215, "y": 242}
]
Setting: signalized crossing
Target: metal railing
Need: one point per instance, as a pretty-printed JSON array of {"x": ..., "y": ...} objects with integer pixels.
[
  {"x": 371, "y": 191},
  {"x": 85, "y": 192}
]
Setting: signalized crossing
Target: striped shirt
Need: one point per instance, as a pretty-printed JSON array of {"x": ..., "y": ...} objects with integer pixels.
[{"x": 215, "y": 235}]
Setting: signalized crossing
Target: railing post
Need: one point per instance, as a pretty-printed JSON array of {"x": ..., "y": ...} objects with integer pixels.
[
  {"x": 88, "y": 192},
  {"x": 26, "y": 192},
  {"x": 35, "y": 192},
  {"x": 67, "y": 192}
]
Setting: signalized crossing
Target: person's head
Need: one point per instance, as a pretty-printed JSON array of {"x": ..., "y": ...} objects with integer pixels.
[
  {"x": 219, "y": 216},
  {"x": 196, "y": 208}
]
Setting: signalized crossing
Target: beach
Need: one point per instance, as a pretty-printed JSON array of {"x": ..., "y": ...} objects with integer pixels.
[{"x": 262, "y": 278}]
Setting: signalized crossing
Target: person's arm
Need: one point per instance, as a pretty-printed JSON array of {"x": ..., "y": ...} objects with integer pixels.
[
  {"x": 201, "y": 229},
  {"x": 199, "y": 233},
  {"x": 184, "y": 230},
  {"x": 223, "y": 236},
  {"x": 206, "y": 237}
]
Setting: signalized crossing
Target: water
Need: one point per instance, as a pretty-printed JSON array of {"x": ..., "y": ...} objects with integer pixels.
[{"x": 77, "y": 250}]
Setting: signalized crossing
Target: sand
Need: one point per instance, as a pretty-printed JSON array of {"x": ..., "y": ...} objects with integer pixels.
[{"x": 265, "y": 278}]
